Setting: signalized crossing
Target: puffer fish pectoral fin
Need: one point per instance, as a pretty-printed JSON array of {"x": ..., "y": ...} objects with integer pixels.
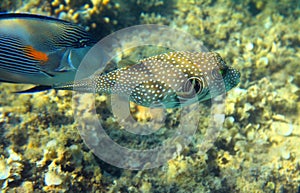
[
  {"x": 66, "y": 62},
  {"x": 34, "y": 89},
  {"x": 125, "y": 63}
]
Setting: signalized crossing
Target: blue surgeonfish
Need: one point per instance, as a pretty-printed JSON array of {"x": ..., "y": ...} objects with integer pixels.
[{"x": 40, "y": 50}]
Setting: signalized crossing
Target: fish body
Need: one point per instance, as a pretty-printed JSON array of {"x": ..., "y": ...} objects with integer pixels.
[
  {"x": 168, "y": 80},
  {"x": 40, "y": 50}
]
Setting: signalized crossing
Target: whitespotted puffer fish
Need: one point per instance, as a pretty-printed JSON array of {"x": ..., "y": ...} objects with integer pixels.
[
  {"x": 168, "y": 80},
  {"x": 40, "y": 50}
]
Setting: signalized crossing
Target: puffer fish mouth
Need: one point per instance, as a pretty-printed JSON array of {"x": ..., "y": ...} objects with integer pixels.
[{"x": 234, "y": 78}]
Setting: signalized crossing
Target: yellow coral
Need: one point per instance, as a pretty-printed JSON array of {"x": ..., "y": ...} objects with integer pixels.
[
  {"x": 146, "y": 187},
  {"x": 176, "y": 167}
]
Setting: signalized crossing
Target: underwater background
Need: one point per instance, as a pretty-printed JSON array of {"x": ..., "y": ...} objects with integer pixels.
[{"x": 256, "y": 151}]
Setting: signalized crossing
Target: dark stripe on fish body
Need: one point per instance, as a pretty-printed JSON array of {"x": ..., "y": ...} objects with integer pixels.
[
  {"x": 68, "y": 27},
  {"x": 13, "y": 57},
  {"x": 14, "y": 47},
  {"x": 17, "y": 59},
  {"x": 5, "y": 15},
  {"x": 71, "y": 35},
  {"x": 7, "y": 39},
  {"x": 17, "y": 70},
  {"x": 7, "y": 65},
  {"x": 61, "y": 33},
  {"x": 14, "y": 64}
]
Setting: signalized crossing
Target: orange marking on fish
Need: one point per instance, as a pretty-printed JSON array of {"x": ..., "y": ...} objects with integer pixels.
[{"x": 36, "y": 55}]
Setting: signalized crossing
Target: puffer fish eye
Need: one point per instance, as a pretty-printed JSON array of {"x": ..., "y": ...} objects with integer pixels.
[{"x": 193, "y": 85}]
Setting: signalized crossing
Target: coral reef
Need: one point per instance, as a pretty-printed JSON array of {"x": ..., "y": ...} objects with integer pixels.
[{"x": 41, "y": 149}]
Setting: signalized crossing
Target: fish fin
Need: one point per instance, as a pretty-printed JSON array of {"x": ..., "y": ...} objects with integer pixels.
[
  {"x": 126, "y": 63},
  {"x": 5, "y": 15},
  {"x": 66, "y": 63},
  {"x": 7, "y": 81},
  {"x": 38, "y": 88},
  {"x": 47, "y": 74}
]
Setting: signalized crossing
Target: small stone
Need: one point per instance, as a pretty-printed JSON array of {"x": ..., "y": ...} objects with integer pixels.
[
  {"x": 279, "y": 117},
  {"x": 13, "y": 156},
  {"x": 285, "y": 154},
  {"x": 282, "y": 128},
  {"x": 249, "y": 46},
  {"x": 229, "y": 121},
  {"x": 51, "y": 178},
  {"x": 52, "y": 144},
  {"x": 4, "y": 169},
  {"x": 262, "y": 62}
]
